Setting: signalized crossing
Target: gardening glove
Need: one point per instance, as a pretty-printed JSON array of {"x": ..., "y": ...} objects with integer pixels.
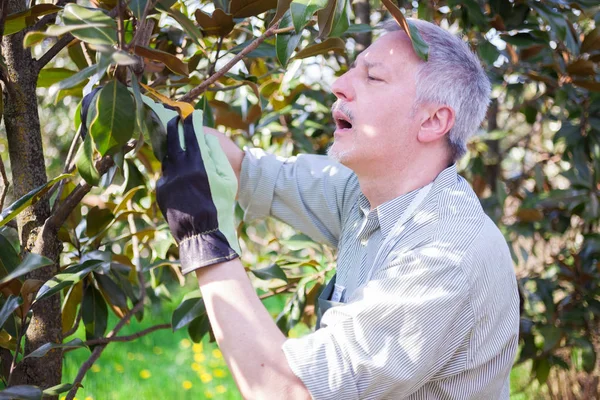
[{"x": 196, "y": 194}]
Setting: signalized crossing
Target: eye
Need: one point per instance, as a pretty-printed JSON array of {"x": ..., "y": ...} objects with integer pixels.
[{"x": 373, "y": 78}]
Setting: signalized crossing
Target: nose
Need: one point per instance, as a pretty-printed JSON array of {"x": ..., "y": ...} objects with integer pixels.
[{"x": 342, "y": 88}]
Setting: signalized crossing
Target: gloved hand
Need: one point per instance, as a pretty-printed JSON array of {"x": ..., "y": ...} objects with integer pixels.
[{"x": 196, "y": 194}]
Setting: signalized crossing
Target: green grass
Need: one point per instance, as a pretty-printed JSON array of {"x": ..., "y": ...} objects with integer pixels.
[{"x": 167, "y": 365}]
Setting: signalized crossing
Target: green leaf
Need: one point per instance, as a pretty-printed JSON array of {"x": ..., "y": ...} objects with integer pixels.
[
  {"x": 112, "y": 126},
  {"x": 250, "y": 8},
  {"x": 90, "y": 25},
  {"x": 9, "y": 258},
  {"x": 336, "y": 45},
  {"x": 286, "y": 43},
  {"x": 95, "y": 313},
  {"x": 173, "y": 63},
  {"x": 85, "y": 161},
  {"x": 208, "y": 118},
  {"x": 542, "y": 370},
  {"x": 271, "y": 272},
  {"x": 11, "y": 304},
  {"x": 71, "y": 276},
  {"x": 198, "y": 328},
  {"x": 31, "y": 262},
  {"x": 137, "y": 7},
  {"x": 359, "y": 28},
  {"x": 264, "y": 50},
  {"x": 18, "y": 21},
  {"x": 58, "y": 389},
  {"x": 30, "y": 198},
  {"x": 97, "y": 220},
  {"x": 156, "y": 132},
  {"x": 139, "y": 103},
  {"x": 303, "y": 10},
  {"x": 45, "y": 348},
  {"x": 419, "y": 45},
  {"x": 300, "y": 242},
  {"x": 21, "y": 392},
  {"x": 584, "y": 355},
  {"x": 81, "y": 76},
  {"x": 341, "y": 19},
  {"x": 191, "y": 307},
  {"x": 50, "y": 76},
  {"x": 111, "y": 291}
]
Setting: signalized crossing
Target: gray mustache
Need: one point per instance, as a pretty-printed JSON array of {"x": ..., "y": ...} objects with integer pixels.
[{"x": 339, "y": 106}]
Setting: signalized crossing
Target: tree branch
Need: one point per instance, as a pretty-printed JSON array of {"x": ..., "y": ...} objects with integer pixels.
[
  {"x": 198, "y": 90},
  {"x": 50, "y": 18},
  {"x": 127, "y": 338}
]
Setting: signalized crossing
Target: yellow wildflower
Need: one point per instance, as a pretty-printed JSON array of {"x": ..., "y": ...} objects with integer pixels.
[
  {"x": 195, "y": 366},
  {"x": 119, "y": 368},
  {"x": 96, "y": 368},
  {"x": 206, "y": 377},
  {"x": 221, "y": 389},
  {"x": 187, "y": 385},
  {"x": 197, "y": 347},
  {"x": 219, "y": 373},
  {"x": 185, "y": 343},
  {"x": 145, "y": 374},
  {"x": 199, "y": 357},
  {"x": 157, "y": 350},
  {"x": 89, "y": 398},
  {"x": 217, "y": 353},
  {"x": 208, "y": 394}
]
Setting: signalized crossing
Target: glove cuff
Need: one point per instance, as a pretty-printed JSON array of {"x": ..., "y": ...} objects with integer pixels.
[{"x": 204, "y": 249}]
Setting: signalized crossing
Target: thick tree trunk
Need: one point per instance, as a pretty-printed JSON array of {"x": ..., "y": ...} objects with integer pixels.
[
  {"x": 28, "y": 172},
  {"x": 362, "y": 13}
]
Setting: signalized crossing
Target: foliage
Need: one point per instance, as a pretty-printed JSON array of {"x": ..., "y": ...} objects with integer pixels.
[{"x": 261, "y": 68}]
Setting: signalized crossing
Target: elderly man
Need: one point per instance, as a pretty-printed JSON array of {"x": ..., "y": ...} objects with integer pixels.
[{"x": 424, "y": 303}]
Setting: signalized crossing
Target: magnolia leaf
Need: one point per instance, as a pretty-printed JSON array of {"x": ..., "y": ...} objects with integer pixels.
[
  {"x": 31, "y": 262},
  {"x": 69, "y": 306},
  {"x": 112, "y": 126},
  {"x": 336, "y": 45},
  {"x": 303, "y": 10},
  {"x": 95, "y": 313},
  {"x": 172, "y": 62},
  {"x": 139, "y": 103},
  {"x": 30, "y": 198},
  {"x": 10, "y": 305},
  {"x": 45, "y": 348},
  {"x": 333, "y": 20},
  {"x": 90, "y": 25},
  {"x": 250, "y": 8},
  {"x": 9, "y": 258},
  {"x": 85, "y": 161},
  {"x": 590, "y": 85},
  {"x": 21, "y": 392},
  {"x": 137, "y": 7},
  {"x": 198, "y": 328},
  {"x": 50, "y": 76},
  {"x": 111, "y": 291},
  {"x": 218, "y": 24},
  {"x": 187, "y": 25},
  {"x": 80, "y": 76},
  {"x": 271, "y": 272},
  {"x": 183, "y": 108},
  {"x": 97, "y": 220},
  {"x": 71, "y": 276},
  {"x": 58, "y": 389},
  {"x": 191, "y": 307},
  {"x": 18, "y": 21},
  {"x": 591, "y": 41},
  {"x": 282, "y": 7},
  {"x": 582, "y": 67},
  {"x": 286, "y": 44},
  {"x": 419, "y": 45}
]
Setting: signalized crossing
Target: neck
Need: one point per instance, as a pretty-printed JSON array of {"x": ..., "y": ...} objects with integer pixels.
[{"x": 387, "y": 182}]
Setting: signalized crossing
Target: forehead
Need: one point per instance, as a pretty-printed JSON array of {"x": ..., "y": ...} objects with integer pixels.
[{"x": 394, "y": 49}]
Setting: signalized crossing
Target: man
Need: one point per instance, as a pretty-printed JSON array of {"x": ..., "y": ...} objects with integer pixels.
[{"x": 424, "y": 304}]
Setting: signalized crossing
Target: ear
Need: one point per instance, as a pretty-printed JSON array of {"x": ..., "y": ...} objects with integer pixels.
[{"x": 435, "y": 123}]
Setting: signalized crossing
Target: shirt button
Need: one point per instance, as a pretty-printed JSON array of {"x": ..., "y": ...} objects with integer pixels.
[{"x": 364, "y": 242}]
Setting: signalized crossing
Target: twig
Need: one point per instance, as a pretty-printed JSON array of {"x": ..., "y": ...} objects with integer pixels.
[
  {"x": 120, "y": 25},
  {"x": 198, "y": 90},
  {"x": 213, "y": 65},
  {"x": 277, "y": 291},
  {"x": 127, "y": 338},
  {"x": 49, "y": 19},
  {"x": 5, "y": 182},
  {"x": 13, "y": 363}
]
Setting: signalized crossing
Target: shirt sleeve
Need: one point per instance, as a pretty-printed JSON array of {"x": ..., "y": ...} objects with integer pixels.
[
  {"x": 309, "y": 192},
  {"x": 410, "y": 320}
]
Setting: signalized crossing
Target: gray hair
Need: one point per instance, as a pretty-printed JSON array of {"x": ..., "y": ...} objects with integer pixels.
[{"x": 452, "y": 76}]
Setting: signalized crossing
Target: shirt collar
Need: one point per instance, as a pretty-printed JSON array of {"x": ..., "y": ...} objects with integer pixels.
[{"x": 391, "y": 211}]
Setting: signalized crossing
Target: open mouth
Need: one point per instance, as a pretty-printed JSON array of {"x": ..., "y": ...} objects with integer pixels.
[{"x": 342, "y": 121}]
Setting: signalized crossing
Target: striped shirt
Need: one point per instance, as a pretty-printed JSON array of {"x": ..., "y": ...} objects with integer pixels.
[{"x": 439, "y": 316}]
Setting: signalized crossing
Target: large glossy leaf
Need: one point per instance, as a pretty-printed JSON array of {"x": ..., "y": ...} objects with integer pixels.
[
  {"x": 271, "y": 272},
  {"x": 419, "y": 45},
  {"x": 97, "y": 220},
  {"x": 85, "y": 160},
  {"x": 591, "y": 41},
  {"x": 286, "y": 43},
  {"x": 198, "y": 328},
  {"x": 113, "y": 294},
  {"x": 81, "y": 76},
  {"x": 21, "y": 392},
  {"x": 58, "y": 389},
  {"x": 9, "y": 258},
  {"x": 303, "y": 10},
  {"x": 172, "y": 62},
  {"x": 10, "y": 305},
  {"x": 249, "y": 8},
  {"x": 191, "y": 307},
  {"x": 68, "y": 278},
  {"x": 137, "y": 7},
  {"x": 90, "y": 25},
  {"x": 95, "y": 313},
  {"x": 283, "y": 6},
  {"x": 30, "y": 198},
  {"x": 45, "y": 348},
  {"x": 31, "y": 262},
  {"x": 112, "y": 126},
  {"x": 219, "y": 23},
  {"x": 334, "y": 19},
  {"x": 18, "y": 21},
  {"x": 336, "y": 45},
  {"x": 69, "y": 307},
  {"x": 50, "y": 76}
]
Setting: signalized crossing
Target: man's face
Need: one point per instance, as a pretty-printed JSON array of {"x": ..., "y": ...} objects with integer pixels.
[{"x": 373, "y": 113}]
